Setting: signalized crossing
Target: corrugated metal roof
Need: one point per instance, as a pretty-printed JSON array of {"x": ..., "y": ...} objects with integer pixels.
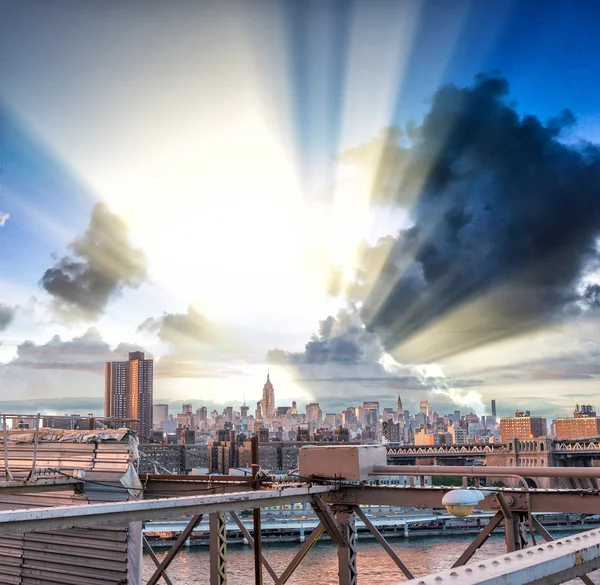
[
  {"x": 53, "y": 435},
  {"x": 94, "y": 556}
]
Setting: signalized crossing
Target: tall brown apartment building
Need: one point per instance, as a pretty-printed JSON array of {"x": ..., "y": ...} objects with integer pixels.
[
  {"x": 128, "y": 391},
  {"x": 522, "y": 426}
]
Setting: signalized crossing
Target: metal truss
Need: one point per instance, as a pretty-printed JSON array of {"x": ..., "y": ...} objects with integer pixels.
[
  {"x": 161, "y": 567},
  {"x": 218, "y": 548},
  {"x": 347, "y": 551},
  {"x": 337, "y": 507}
]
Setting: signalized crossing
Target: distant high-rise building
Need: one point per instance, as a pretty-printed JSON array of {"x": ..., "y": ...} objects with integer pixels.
[
  {"x": 399, "y": 405},
  {"x": 424, "y": 407},
  {"x": 140, "y": 384},
  {"x": 259, "y": 410},
  {"x": 186, "y": 409},
  {"x": 522, "y": 426},
  {"x": 202, "y": 413},
  {"x": 128, "y": 391},
  {"x": 268, "y": 400},
  {"x": 294, "y": 408},
  {"x": 313, "y": 412},
  {"x": 371, "y": 413},
  {"x": 160, "y": 412},
  {"x": 459, "y": 435},
  {"x": 585, "y": 427},
  {"x": 584, "y": 424},
  {"x": 244, "y": 412},
  {"x": 115, "y": 390},
  {"x": 391, "y": 431},
  {"x": 493, "y": 408}
]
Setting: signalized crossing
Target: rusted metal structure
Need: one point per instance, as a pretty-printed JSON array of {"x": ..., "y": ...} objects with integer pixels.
[{"x": 334, "y": 485}]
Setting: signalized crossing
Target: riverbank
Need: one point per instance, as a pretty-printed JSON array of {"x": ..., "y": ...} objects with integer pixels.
[{"x": 162, "y": 535}]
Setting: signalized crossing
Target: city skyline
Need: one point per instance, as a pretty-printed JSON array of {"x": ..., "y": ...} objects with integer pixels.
[{"x": 340, "y": 252}]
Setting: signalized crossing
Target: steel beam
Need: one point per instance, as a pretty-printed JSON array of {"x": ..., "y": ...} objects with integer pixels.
[
  {"x": 185, "y": 534},
  {"x": 170, "y": 486},
  {"x": 62, "y": 517},
  {"x": 485, "y": 471},
  {"x": 513, "y": 533},
  {"x": 549, "y": 538},
  {"x": 218, "y": 548},
  {"x": 250, "y": 540},
  {"x": 479, "y": 540},
  {"x": 547, "y": 564},
  {"x": 328, "y": 520},
  {"x": 564, "y": 501},
  {"x": 161, "y": 571},
  {"x": 383, "y": 542},
  {"x": 304, "y": 550},
  {"x": 347, "y": 550}
]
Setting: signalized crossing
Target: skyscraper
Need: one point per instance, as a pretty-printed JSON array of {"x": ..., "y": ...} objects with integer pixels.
[
  {"x": 115, "y": 389},
  {"x": 371, "y": 413},
  {"x": 160, "y": 413},
  {"x": 313, "y": 412},
  {"x": 399, "y": 405},
  {"x": 140, "y": 382},
  {"x": 493, "y": 408},
  {"x": 128, "y": 391},
  {"x": 268, "y": 400}
]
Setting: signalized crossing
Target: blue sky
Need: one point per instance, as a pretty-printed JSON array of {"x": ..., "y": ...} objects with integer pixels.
[{"x": 214, "y": 132}]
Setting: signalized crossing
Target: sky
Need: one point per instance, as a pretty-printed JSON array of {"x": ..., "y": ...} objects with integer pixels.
[{"x": 367, "y": 198}]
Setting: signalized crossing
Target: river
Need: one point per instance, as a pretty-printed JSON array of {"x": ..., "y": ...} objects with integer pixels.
[{"x": 422, "y": 555}]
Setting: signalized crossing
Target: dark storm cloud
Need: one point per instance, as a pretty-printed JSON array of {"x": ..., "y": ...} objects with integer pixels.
[
  {"x": 343, "y": 339},
  {"x": 87, "y": 352},
  {"x": 7, "y": 315},
  {"x": 103, "y": 262},
  {"x": 591, "y": 297},
  {"x": 504, "y": 216}
]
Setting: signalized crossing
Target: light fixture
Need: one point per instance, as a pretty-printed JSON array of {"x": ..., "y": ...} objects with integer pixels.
[{"x": 461, "y": 503}]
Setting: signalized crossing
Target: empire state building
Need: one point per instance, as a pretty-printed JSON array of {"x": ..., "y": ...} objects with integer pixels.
[{"x": 268, "y": 400}]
